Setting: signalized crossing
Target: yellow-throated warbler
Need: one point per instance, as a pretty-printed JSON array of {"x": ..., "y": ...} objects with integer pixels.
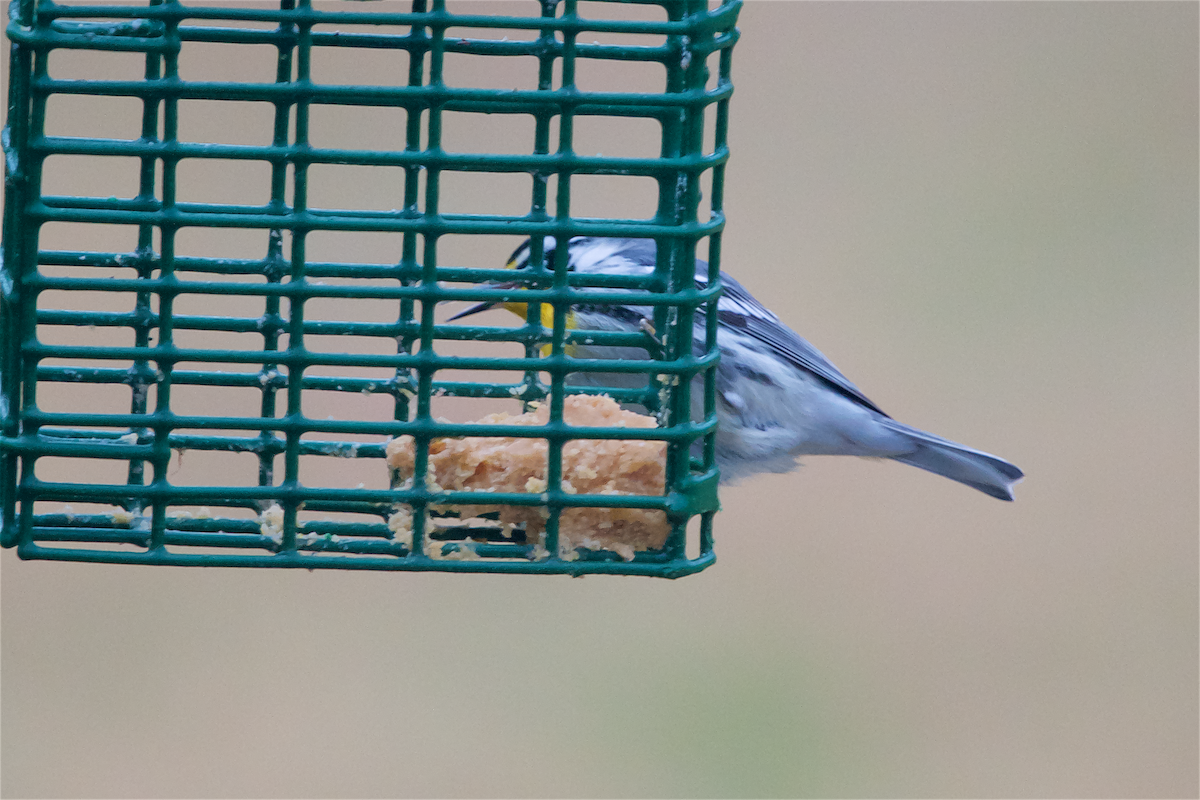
[{"x": 778, "y": 397}]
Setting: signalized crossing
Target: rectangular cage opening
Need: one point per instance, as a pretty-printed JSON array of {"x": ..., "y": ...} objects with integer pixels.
[
  {"x": 57, "y": 239},
  {"x": 365, "y": 404},
  {"x": 644, "y": 74},
  {"x": 90, "y": 116},
  {"x": 499, "y": 193},
  {"x": 220, "y": 181},
  {"x": 239, "y": 62},
  {"x": 344, "y": 469},
  {"x": 104, "y": 336},
  {"x": 195, "y": 244},
  {"x": 362, "y": 128},
  {"x": 469, "y": 62},
  {"x": 488, "y": 133},
  {"x": 89, "y": 305},
  {"x": 237, "y": 394},
  {"x": 60, "y": 391},
  {"x": 380, "y": 248},
  {"x": 607, "y": 196},
  {"x": 91, "y": 65},
  {"x": 343, "y": 53},
  {"x": 617, "y": 137},
  {"x": 225, "y": 122},
  {"x": 343, "y": 186},
  {"x": 206, "y": 467},
  {"x": 89, "y": 176},
  {"x": 261, "y": 312}
]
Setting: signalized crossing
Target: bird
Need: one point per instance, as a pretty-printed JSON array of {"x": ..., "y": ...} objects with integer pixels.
[{"x": 778, "y": 397}]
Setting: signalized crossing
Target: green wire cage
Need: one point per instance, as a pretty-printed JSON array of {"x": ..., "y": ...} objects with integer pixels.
[{"x": 86, "y": 477}]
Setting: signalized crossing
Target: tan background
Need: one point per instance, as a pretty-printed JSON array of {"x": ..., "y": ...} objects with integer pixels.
[{"x": 986, "y": 215}]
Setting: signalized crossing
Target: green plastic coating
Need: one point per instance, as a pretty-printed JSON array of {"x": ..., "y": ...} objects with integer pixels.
[{"x": 145, "y": 517}]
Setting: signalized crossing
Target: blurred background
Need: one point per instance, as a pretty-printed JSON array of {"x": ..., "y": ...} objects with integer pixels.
[{"x": 986, "y": 215}]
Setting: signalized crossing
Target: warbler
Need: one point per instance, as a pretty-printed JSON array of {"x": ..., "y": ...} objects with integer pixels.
[{"x": 778, "y": 397}]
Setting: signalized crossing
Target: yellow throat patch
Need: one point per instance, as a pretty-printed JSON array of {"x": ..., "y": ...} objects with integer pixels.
[{"x": 547, "y": 314}]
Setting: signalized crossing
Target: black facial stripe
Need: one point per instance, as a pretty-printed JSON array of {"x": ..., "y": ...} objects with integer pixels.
[
  {"x": 522, "y": 249},
  {"x": 520, "y": 257}
]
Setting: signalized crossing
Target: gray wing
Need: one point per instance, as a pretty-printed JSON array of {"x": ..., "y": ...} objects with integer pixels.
[{"x": 738, "y": 309}]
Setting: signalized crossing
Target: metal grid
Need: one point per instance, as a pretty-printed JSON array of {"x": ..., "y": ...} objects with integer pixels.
[{"x": 136, "y": 513}]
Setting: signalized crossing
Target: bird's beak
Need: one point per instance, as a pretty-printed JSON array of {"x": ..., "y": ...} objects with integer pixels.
[{"x": 475, "y": 309}]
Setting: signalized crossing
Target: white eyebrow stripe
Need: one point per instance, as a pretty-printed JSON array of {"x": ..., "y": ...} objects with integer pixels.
[{"x": 596, "y": 253}]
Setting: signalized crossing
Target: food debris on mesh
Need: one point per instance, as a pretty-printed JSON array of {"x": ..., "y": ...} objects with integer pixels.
[
  {"x": 270, "y": 523},
  {"x": 589, "y": 466}
]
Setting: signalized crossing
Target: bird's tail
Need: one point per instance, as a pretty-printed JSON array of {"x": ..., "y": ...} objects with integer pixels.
[{"x": 979, "y": 470}]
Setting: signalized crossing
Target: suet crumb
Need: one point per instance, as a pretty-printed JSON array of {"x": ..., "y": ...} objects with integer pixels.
[
  {"x": 270, "y": 523},
  {"x": 400, "y": 524}
]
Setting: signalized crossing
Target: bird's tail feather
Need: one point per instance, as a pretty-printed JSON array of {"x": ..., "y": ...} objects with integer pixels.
[{"x": 979, "y": 470}]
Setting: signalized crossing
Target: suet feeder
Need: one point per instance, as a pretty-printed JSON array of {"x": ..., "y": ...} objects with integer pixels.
[{"x": 83, "y": 480}]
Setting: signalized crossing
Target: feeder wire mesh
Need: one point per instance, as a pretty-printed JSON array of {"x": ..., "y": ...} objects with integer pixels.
[{"x": 144, "y": 517}]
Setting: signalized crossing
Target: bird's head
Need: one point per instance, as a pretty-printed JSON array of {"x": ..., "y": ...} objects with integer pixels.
[
  {"x": 585, "y": 255},
  {"x": 519, "y": 260}
]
